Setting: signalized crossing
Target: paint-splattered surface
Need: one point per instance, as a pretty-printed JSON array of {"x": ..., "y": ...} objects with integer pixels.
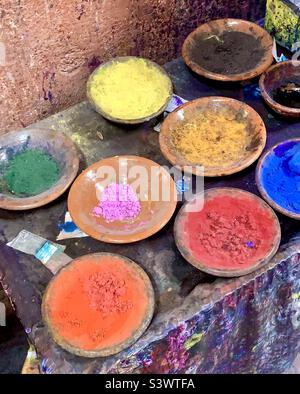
[{"x": 198, "y": 319}]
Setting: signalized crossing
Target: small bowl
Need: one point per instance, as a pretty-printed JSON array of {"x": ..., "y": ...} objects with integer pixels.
[
  {"x": 57, "y": 145},
  {"x": 189, "y": 111},
  {"x": 131, "y": 267},
  {"x": 262, "y": 164},
  {"x": 218, "y": 27},
  {"x": 128, "y": 121},
  {"x": 273, "y": 78},
  {"x": 155, "y": 211},
  {"x": 181, "y": 235}
]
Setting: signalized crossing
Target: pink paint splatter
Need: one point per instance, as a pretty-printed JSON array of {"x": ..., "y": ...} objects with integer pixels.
[{"x": 118, "y": 202}]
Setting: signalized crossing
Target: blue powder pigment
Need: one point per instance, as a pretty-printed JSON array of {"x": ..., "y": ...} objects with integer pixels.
[{"x": 280, "y": 176}]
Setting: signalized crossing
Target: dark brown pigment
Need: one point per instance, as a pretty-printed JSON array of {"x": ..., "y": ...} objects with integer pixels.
[
  {"x": 288, "y": 95},
  {"x": 229, "y": 53}
]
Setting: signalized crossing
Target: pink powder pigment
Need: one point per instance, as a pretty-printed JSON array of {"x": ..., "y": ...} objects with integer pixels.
[{"x": 118, "y": 202}]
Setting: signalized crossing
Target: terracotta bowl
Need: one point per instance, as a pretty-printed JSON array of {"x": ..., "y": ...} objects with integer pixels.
[
  {"x": 259, "y": 170},
  {"x": 276, "y": 76},
  {"x": 189, "y": 111},
  {"x": 156, "y": 211},
  {"x": 134, "y": 270},
  {"x": 128, "y": 121},
  {"x": 217, "y": 28},
  {"x": 58, "y": 145},
  {"x": 181, "y": 235}
]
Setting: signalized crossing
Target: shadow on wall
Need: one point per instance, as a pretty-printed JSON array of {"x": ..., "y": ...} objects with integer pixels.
[{"x": 48, "y": 50}]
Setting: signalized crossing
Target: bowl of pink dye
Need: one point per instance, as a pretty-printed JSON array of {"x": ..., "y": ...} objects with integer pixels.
[{"x": 122, "y": 199}]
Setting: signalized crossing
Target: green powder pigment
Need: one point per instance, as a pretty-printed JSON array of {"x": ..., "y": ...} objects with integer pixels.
[{"x": 31, "y": 173}]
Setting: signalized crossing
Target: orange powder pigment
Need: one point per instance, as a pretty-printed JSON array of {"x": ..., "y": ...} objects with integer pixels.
[{"x": 97, "y": 305}]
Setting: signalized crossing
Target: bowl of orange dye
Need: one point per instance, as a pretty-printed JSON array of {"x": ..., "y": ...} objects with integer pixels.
[
  {"x": 98, "y": 305},
  {"x": 122, "y": 199}
]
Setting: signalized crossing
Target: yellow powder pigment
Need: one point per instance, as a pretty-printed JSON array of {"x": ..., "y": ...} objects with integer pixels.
[
  {"x": 133, "y": 89},
  {"x": 213, "y": 139}
]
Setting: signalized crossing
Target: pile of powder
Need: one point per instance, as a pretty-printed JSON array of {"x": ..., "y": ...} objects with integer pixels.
[
  {"x": 31, "y": 172},
  {"x": 230, "y": 232},
  {"x": 280, "y": 176},
  {"x": 98, "y": 303},
  {"x": 118, "y": 202},
  {"x": 229, "y": 53},
  {"x": 213, "y": 139},
  {"x": 133, "y": 89}
]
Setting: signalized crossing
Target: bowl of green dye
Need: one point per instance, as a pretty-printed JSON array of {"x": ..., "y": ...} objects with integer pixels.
[{"x": 36, "y": 167}]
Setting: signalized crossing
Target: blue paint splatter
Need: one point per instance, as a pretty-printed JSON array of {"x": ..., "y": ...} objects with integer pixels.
[
  {"x": 280, "y": 176},
  {"x": 68, "y": 227},
  {"x": 252, "y": 90},
  {"x": 250, "y": 244}
]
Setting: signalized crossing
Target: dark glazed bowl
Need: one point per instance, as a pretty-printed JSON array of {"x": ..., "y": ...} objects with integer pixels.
[
  {"x": 128, "y": 121},
  {"x": 273, "y": 78},
  {"x": 57, "y": 145},
  {"x": 220, "y": 26}
]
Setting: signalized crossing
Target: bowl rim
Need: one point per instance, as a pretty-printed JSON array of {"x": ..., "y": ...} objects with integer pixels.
[
  {"x": 223, "y": 272},
  {"x": 117, "y": 59},
  {"x": 164, "y": 135},
  {"x": 110, "y": 350},
  {"x": 262, "y": 191},
  {"x": 108, "y": 238},
  {"x": 39, "y": 200},
  {"x": 234, "y": 77},
  {"x": 269, "y": 100}
]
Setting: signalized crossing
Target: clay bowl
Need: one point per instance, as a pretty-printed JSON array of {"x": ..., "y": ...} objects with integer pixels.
[
  {"x": 139, "y": 327},
  {"x": 189, "y": 111},
  {"x": 156, "y": 211},
  {"x": 217, "y": 28},
  {"x": 275, "y": 77},
  {"x": 57, "y": 145},
  {"x": 261, "y": 166},
  {"x": 195, "y": 205},
  {"x": 128, "y": 121}
]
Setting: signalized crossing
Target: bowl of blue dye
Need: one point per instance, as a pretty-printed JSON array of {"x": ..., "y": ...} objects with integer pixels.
[
  {"x": 278, "y": 177},
  {"x": 36, "y": 167}
]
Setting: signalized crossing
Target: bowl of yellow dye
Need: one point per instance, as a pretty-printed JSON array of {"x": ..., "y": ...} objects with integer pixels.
[
  {"x": 129, "y": 90},
  {"x": 213, "y": 136}
]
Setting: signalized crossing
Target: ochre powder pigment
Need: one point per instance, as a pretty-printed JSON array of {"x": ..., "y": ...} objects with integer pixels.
[
  {"x": 229, "y": 53},
  {"x": 31, "y": 172},
  {"x": 213, "y": 138},
  {"x": 230, "y": 232},
  {"x": 130, "y": 90},
  {"x": 98, "y": 303}
]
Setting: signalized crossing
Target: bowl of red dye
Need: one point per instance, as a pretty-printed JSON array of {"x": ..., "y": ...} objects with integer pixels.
[
  {"x": 228, "y": 50},
  {"x": 227, "y": 232},
  {"x": 280, "y": 88},
  {"x": 98, "y": 305},
  {"x": 36, "y": 167},
  {"x": 122, "y": 199}
]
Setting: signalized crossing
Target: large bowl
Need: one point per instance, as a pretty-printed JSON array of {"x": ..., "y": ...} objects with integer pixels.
[
  {"x": 128, "y": 121},
  {"x": 136, "y": 271},
  {"x": 189, "y": 111},
  {"x": 220, "y": 26},
  {"x": 156, "y": 211},
  {"x": 181, "y": 236},
  {"x": 276, "y": 76},
  {"x": 57, "y": 145}
]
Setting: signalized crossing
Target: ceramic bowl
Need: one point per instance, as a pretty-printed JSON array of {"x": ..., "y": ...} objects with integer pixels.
[
  {"x": 156, "y": 210},
  {"x": 217, "y": 28},
  {"x": 276, "y": 76},
  {"x": 182, "y": 235},
  {"x": 131, "y": 267},
  {"x": 98, "y": 108},
  {"x": 53, "y": 142},
  {"x": 189, "y": 111}
]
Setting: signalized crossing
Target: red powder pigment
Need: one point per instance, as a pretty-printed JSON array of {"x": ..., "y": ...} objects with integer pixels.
[
  {"x": 94, "y": 306},
  {"x": 230, "y": 232}
]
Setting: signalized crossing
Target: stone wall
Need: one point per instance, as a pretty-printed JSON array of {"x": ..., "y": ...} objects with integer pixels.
[{"x": 48, "y": 48}]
